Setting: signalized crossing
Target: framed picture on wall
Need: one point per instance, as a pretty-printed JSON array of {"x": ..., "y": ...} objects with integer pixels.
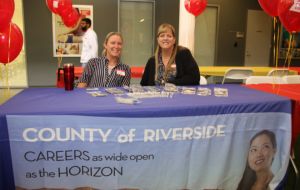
[
  {"x": 285, "y": 42},
  {"x": 67, "y": 42}
]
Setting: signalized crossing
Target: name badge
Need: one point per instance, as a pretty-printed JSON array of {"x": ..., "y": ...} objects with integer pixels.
[{"x": 121, "y": 72}]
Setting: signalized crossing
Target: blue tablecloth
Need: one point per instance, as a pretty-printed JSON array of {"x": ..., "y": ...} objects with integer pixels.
[{"x": 157, "y": 125}]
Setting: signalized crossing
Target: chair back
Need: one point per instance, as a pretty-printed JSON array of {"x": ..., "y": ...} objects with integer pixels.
[
  {"x": 264, "y": 79},
  {"x": 292, "y": 79},
  {"x": 203, "y": 80},
  {"x": 278, "y": 72},
  {"x": 237, "y": 74}
]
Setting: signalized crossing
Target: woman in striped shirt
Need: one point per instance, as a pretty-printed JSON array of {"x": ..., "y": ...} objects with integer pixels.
[{"x": 107, "y": 71}]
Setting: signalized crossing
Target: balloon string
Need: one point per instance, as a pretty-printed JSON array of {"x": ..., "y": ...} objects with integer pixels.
[
  {"x": 292, "y": 50},
  {"x": 277, "y": 43},
  {"x": 59, "y": 60},
  {"x": 8, "y": 54},
  {"x": 1, "y": 72},
  {"x": 288, "y": 58},
  {"x": 7, "y": 82},
  {"x": 274, "y": 41},
  {"x": 289, "y": 49},
  {"x": 5, "y": 91},
  {"x": 276, "y": 49},
  {"x": 277, "y": 31}
]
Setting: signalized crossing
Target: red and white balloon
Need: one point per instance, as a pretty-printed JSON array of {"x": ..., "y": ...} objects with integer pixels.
[
  {"x": 57, "y": 6},
  {"x": 52, "y": 5},
  {"x": 289, "y": 15},
  {"x": 64, "y": 8},
  {"x": 195, "y": 7}
]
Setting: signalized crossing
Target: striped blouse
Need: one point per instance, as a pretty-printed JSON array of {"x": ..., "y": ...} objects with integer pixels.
[{"x": 96, "y": 74}]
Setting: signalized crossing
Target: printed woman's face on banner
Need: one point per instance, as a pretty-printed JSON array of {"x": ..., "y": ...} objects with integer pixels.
[{"x": 261, "y": 153}]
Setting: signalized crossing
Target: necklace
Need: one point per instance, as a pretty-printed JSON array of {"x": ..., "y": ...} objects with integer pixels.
[{"x": 165, "y": 60}]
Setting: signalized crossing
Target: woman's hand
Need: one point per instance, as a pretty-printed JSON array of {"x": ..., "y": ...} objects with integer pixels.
[{"x": 82, "y": 85}]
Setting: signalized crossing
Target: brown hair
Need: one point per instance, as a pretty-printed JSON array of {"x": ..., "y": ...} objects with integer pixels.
[
  {"x": 107, "y": 38},
  {"x": 162, "y": 29}
]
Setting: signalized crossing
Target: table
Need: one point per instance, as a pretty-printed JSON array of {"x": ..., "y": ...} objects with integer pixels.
[
  {"x": 220, "y": 70},
  {"x": 136, "y": 72},
  {"x": 295, "y": 69},
  {"x": 291, "y": 91},
  {"x": 52, "y": 138}
]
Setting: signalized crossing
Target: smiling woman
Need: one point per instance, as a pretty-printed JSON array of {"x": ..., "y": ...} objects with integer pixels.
[
  {"x": 258, "y": 174},
  {"x": 171, "y": 63},
  {"x": 107, "y": 71}
]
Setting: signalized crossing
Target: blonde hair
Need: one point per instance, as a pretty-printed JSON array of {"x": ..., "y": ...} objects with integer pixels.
[
  {"x": 107, "y": 38},
  {"x": 162, "y": 29}
]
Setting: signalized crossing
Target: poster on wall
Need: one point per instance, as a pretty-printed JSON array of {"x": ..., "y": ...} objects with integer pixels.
[{"x": 67, "y": 42}]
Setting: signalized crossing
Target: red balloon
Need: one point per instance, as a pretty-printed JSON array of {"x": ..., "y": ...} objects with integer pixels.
[
  {"x": 53, "y": 5},
  {"x": 7, "y": 8},
  {"x": 196, "y": 7},
  {"x": 289, "y": 18},
  {"x": 70, "y": 18},
  {"x": 64, "y": 13},
  {"x": 64, "y": 5},
  {"x": 57, "y": 6},
  {"x": 270, "y": 6},
  {"x": 11, "y": 43}
]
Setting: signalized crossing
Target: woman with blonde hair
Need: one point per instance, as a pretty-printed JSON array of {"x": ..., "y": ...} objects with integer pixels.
[
  {"x": 171, "y": 63},
  {"x": 107, "y": 70}
]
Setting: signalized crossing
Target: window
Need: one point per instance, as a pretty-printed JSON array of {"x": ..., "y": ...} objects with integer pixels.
[{"x": 136, "y": 23}]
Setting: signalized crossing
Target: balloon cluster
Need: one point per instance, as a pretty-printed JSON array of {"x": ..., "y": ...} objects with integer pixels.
[
  {"x": 11, "y": 37},
  {"x": 195, "y": 7},
  {"x": 65, "y": 9},
  {"x": 288, "y": 12}
]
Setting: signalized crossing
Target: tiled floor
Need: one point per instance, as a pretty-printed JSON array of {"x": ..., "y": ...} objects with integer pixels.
[{"x": 6, "y": 94}]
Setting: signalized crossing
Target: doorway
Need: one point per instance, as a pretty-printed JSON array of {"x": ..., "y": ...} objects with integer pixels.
[{"x": 258, "y": 39}]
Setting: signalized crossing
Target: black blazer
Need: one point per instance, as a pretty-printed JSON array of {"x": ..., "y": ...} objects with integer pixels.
[{"x": 186, "y": 67}]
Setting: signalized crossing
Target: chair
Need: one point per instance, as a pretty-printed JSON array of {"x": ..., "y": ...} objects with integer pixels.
[
  {"x": 203, "y": 80},
  {"x": 237, "y": 74},
  {"x": 278, "y": 72},
  {"x": 292, "y": 79},
  {"x": 264, "y": 79}
]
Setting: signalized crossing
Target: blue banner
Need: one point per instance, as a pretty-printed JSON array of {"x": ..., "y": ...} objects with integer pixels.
[{"x": 193, "y": 152}]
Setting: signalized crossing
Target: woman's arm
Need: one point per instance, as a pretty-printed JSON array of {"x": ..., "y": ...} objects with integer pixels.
[
  {"x": 149, "y": 72},
  {"x": 86, "y": 76},
  {"x": 187, "y": 68},
  {"x": 126, "y": 80},
  {"x": 82, "y": 85}
]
